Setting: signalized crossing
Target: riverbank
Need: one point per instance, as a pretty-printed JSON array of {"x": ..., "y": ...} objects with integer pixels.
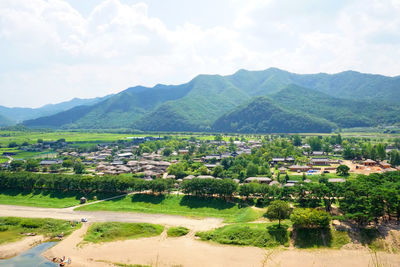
[
  {"x": 164, "y": 251},
  {"x": 13, "y": 249}
]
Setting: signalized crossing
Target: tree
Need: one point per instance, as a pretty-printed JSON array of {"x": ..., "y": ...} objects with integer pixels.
[
  {"x": 12, "y": 144},
  {"x": 251, "y": 170},
  {"x": 394, "y": 158},
  {"x": 218, "y": 171},
  {"x": 167, "y": 151},
  {"x": 68, "y": 163},
  {"x": 31, "y": 165},
  {"x": 218, "y": 138},
  {"x": 278, "y": 210},
  {"x": 310, "y": 218},
  {"x": 16, "y": 165},
  {"x": 79, "y": 167},
  {"x": 342, "y": 170},
  {"x": 296, "y": 140}
]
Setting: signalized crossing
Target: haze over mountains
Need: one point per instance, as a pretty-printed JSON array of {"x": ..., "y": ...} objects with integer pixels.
[{"x": 272, "y": 100}]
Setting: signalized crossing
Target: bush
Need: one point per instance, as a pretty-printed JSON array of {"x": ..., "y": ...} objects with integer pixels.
[
  {"x": 248, "y": 235},
  {"x": 28, "y": 223},
  {"x": 310, "y": 218},
  {"x": 177, "y": 231},
  {"x": 3, "y": 228}
]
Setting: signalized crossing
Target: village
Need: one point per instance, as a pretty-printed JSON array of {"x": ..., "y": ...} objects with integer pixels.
[{"x": 151, "y": 157}]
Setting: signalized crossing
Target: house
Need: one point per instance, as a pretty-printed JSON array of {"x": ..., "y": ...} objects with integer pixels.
[
  {"x": 317, "y": 153},
  {"x": 299, "y": 168},
  {"x": 261, "y": 180},
  {"x": 320, "y": 161},
  {"x": 125, "y": 155},
  {"x": 385, "y": 165},
  {"x": 183, "y": 151},
  {"x": 369, "y": 162},
  {"x": 336, "y": 180},
  {"x": 282, "y": 170},
  {"x": 50, "y": 162}
]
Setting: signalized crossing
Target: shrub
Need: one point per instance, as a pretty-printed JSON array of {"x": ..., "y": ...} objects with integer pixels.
[
  {"x": 310, "y": 218},
  {"x": 177, "y": 231}
]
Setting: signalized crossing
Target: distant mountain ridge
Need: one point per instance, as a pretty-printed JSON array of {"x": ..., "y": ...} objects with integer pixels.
[
  {"x": 17, "y": 115},
  {"x": 325, "y": 101}
]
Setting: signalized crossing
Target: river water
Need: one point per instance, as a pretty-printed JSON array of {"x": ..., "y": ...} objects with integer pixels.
[{"x": 31, "y": 258}]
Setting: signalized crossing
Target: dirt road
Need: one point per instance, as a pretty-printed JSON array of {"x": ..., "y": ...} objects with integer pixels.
[{"x": 102, "y": 216}]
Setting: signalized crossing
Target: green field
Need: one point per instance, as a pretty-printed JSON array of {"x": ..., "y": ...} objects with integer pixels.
[
  {"x": 249, "y": 234},
  {"x": 12, "y": 227},
  {"x": 179, "y": 205},
  {"x": 112, "y": 231},
  {"x": 43, "y": 198}
]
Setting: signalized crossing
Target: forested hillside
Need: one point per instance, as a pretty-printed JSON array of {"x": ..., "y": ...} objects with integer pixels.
[
  {"x": 263, "y": 116},
  {"x": 347, "y": 99}
]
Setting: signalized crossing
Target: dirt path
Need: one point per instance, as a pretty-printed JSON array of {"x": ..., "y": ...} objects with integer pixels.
[
  {"x": 103, "y": 216},
  {"x": 10, "y": 250}
]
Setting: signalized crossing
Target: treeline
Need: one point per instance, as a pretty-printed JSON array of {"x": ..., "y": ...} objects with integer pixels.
[
  {"x": 110, "y": 184},
  {"x": 365, "y": 199}
]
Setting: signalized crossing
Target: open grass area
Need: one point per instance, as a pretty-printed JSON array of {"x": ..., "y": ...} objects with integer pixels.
[
  {"x": 12, "y": 227},
  {"x": 112, "y": 231},
  {"x": 3, "y": 159},
  {"x": 249, "y": 234},
  {"x": 179, "y": 205},
  {"x": 318, "y": 238},
  {"x": 177, "y": 231},
  {"x": 45, "y": 198}
]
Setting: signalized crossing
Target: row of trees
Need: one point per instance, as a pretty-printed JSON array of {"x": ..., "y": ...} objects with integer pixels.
[
  {"x": 111, "y": 184},
  {"x": 365, "y": 199}
]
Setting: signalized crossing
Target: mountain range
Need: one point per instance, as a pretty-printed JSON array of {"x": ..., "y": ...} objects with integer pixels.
[{"x": 271, "y": 100}]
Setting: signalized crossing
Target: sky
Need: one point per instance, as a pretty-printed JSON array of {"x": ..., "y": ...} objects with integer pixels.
[{"x": 55, "y": 50}]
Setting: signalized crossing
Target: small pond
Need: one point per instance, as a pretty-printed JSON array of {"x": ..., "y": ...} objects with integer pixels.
[{"x": 31, "y": 258}]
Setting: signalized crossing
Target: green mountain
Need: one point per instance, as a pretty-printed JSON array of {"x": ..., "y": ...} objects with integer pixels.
[
  {"x": 262, "y": 115},
  {"x": 343, "y": 112},
  {"x": 4, "y": 121},
  {"x": 347, "y": 99},
  {"x": 16, "y": 115}
]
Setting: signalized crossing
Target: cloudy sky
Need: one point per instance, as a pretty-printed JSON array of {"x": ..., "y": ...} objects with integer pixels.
[{"x": 54, "y": 50}]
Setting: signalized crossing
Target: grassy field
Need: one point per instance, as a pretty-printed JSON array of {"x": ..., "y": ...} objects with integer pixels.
[
  {"x": 112, "y": 231},
  {"x": 317, "y": 238},
  {"x": 12, "y": 227},
  {"x": 179, "y": 205},
  {"x": 46, "y": 199},
  {"x": 249, "y": 234},
  {"x": 177, "y": 231}
]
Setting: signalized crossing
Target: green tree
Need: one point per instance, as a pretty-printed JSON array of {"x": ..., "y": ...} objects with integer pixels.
[
  {"x": 68, "y": 163},
  {"x": 278, "y": 210},
  {"x": 251, "y": 170},
  {"x": 218, "y": 171},
  {"x": 310, "y": 218},
  {"x": 31, "y": 165},
  {"x": 342, "y": 170},
  {"x": 79, "y": 167},
  {"x": 296, "y": 140},
  {"x": 167, "y": 151}
]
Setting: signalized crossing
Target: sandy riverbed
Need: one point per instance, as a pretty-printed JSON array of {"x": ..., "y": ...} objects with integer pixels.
[
  {"x": 12, "y": 249},
  {"x": 187, "y": 251}
]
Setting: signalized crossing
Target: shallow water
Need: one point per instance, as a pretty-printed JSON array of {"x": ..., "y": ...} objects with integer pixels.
[{"x": 31, "y": 258}]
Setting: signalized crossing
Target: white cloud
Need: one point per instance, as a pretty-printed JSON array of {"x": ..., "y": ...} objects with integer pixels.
[{"x": 50, "y": 52}]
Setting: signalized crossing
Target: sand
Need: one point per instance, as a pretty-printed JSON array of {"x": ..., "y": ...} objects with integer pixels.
[
  {"x": 187, "y": 251},
  {"x": 10, "y": 250}
]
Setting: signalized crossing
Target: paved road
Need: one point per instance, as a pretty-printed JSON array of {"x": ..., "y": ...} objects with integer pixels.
[{"x": 103, "y": 216}]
